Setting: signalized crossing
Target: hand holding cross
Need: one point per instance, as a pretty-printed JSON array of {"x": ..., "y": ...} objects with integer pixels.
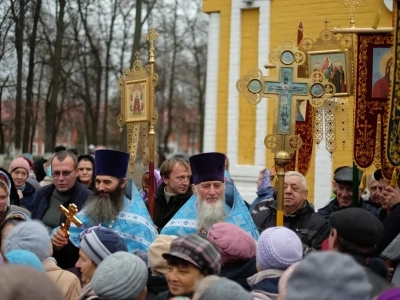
[{"x": 70, "y": 215}]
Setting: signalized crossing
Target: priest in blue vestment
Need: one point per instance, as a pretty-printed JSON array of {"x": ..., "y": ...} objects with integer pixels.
[
  {"x": 110, "y": 208},
  {"x": 207, "y": 206}
]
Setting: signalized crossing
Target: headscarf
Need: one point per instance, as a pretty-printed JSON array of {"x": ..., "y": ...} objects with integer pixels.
[
  {"x": 265, "y": 183},
  {"x": 158, "y": 180},
  {"x": 13, "y": 194}
]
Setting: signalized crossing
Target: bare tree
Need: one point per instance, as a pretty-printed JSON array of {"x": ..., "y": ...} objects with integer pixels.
[
  {"x": 171, "y": 85},
  {"x": 51, "y": 106},
  {"x": 26, "y": 142},
  {"x": 18, "y": 13}
]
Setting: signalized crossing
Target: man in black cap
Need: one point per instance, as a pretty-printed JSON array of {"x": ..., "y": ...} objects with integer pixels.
[
  {"x": 208, "y": 207},
  {"x": 356, "y": 232},
  {"x": 344, "y": 192}
]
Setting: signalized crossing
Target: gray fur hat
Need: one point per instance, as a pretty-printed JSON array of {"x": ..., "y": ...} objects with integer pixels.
[
  {"x": 121, "y": 276},
  {"x": 31, "y": 236}
]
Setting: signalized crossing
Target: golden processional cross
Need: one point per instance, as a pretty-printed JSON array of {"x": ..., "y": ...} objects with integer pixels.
[
  {"x": 70, "y": 215},
  {"x": 287, "y": 88}
]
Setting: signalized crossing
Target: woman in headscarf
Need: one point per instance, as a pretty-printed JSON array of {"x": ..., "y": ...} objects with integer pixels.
[
  {"x": 146, "y": 181},
  {"x": 13, "y": 194},
  {"x": 19, "y": 170},
  {"x": 5, "y": 207},
  {"x": 86, "y": 171}
]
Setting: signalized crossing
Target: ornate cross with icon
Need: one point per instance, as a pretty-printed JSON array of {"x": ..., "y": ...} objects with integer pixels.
[{"x": 286, "y": 87}]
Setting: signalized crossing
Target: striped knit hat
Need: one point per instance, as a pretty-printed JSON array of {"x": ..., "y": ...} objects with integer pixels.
[
  {"x": 100, "y": 242},
  {"x": 198, "y": 251}
]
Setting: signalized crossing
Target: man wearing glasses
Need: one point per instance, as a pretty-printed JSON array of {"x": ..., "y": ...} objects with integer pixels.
[{"x": 64, "y": 190}]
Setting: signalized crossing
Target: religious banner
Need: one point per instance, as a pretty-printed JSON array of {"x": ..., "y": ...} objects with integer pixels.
[
  {"x": 371, "y": 114},
  {"x": 136, "y": 86},
  {"x": 393, "y": 133},
  {"x": 300, "y": 161}
]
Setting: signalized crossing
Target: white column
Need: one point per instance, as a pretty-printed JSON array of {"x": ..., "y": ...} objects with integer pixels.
[
  {"x": 211, "y": 105},
  {"x": 245, "y": 176},
  {"x": 262, "y": 107},
  {"x": 323, "y": 175}
]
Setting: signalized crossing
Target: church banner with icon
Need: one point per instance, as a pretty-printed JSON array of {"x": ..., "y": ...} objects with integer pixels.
[
  {"x": 136, "y": 103},
  {"x": 373, "y": 67}
]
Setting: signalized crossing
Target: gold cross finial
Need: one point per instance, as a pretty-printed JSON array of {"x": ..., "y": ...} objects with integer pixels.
[
  {"x": 137, "y": 55},
  {"x": 70, "y": 215},
  {"x": 151, "y": 37},
  {"x": 326, "y": 23}
]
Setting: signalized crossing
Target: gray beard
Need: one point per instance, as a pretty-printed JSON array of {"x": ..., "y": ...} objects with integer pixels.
[
  {"x": 210, "y": 214},
  {"x": 102, "y": 209}
]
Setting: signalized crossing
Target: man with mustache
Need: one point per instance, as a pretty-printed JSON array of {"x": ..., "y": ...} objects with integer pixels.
[
  {"x": 344, "y": 192},
  {"x": 110, "y": 208},
  {"x": 207, "y": 206}
]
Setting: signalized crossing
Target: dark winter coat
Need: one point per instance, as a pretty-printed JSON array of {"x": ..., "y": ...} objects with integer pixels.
[
  {"x": 379, "y": 284},
  {"x": 29, "y": 199},
  {"x": 78, "y": 197},
  {"x": 264, "y": 285},
  {"x": 167, "y": 295},
  {"x": 163, "y": 211},
  {"x": 334, "y": 206},
  {"x": 240, "y": 271},
  {"x": 373, "y": 207},
  {"x": 156, "y": 284},
  {"x": 391, "y": 228},
  {"x": 311, "y": 228}
]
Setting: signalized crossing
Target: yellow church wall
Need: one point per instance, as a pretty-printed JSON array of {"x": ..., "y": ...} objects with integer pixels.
[
  {"x": 285, "y": 18},
  {"x": 224, "y": 8},
  {"x": 248, "y": 61}
]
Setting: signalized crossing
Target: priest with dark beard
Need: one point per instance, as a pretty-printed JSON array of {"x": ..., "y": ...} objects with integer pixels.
[
  {"x": 207, "y": 205},
  {"x": 110, "y": 208}
]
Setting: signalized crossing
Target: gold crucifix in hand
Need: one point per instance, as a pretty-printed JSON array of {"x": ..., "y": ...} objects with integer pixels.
[{"x": 70, "y": 215}]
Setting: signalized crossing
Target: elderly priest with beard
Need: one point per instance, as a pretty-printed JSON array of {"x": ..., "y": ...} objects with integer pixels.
[
  {"x": 207, "y": 205},
  {"x": 110, "y": 208}
]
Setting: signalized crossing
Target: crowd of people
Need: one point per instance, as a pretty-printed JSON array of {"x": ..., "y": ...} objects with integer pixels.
[{"x": 203, "y": 240}]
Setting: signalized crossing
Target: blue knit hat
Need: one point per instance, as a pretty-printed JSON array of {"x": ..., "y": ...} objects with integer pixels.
[
  {"x": 278, "y": 248},
  {"x": 111, "y": 163},
  {"x": 26, "y": 258},
  {"x": 99, "y": 242}
]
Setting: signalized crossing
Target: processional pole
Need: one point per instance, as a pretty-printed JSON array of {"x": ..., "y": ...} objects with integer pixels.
[
  {"x": 151, "y": 37},
  {"x": 137, "y": 86}
]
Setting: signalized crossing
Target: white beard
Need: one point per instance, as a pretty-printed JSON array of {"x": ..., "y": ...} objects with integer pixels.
[{"x": 209, "y": 214}]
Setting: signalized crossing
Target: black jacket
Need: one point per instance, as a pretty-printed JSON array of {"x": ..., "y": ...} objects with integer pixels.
[
  {"x": 163, "y": 211},
  {"x": 156, "y": 284},
  {"x": 240, "y": 271},
  {"x": 391, "y": 228},
  {"x": 78, "y": 197},
  {"x": 333, "y": 206},
  {"x": 311, "y": 228}
]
